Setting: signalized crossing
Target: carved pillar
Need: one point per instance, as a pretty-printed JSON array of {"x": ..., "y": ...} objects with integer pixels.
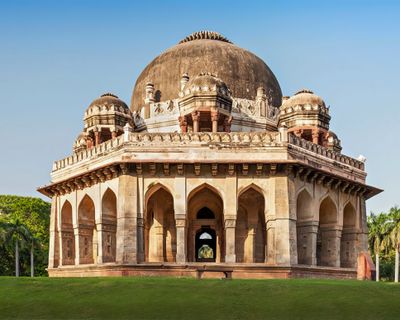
[
  {"x": 330, "y": 246},
  {"x": 100, "y": 243},
  {"x": 97, "y": 137},
  {"x": 113, "y": 133},
  {"x": 77, "y": 245},
  {"x": 307, "y": 233},
  {"x": 230, "y": 225},
  {"x": 181, "y": 240},
  {"x": 270, "y": 243},
  {"x": 250, "y": 247},
  {"x": 183, "y": 124},
  {"x": 53, "y": 257},
  {"x": 298, "y": 133},
  {"x": 196, "y": 120},
  {"x": 315, "y": 136},
  {"x": 227, "y": 124},
  {"x": 348, "y": 248},
  {"x": 127, "y": 218},
  {"x": 214, "y": 121},
  {"x": 149, "y": 99}
]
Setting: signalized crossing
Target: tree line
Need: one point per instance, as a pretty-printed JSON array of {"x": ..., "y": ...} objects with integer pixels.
[
  {"x": 384, "y": 243},
  {"x": 24, "y": 236}
]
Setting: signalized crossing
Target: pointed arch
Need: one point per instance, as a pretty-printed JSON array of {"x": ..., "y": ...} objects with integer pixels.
[
  {"x": 328, "y": 212},
  {"x": 87, "y": 231},
  {"x": 159, "y": 223},
  {"x": 205, "y": 196},
  {"x": 348, "y": 241},
  {"x": 67, "y": 235},
  {"x": 153, "y": 188},
  {"x": 250, "y": 230},
  {"x": 304, "y": 228},
  {"x": 253, "y": 186},
  {"x": 328, "y": 250},
  {"x": 109, "y": 224}
]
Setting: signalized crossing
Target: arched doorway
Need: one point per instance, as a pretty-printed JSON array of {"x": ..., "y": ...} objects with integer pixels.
[
  {"x": 159, "y": 226},
  {"x": 67, "y": 235},
  {"x": 87, "y": 231},
  {"x": 348, "y": 242},
  {"x": 250, "y": 230},
  {"x": 205, "y": 245},
  {"x": 306, "y": 229},
  {"x": 109, "y": 225},
  {"x": 327, "y": 245},
  {"x": 205, "y": 220}
]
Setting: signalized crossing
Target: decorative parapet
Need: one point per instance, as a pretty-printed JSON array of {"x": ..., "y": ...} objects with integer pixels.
[
  {"x": 315, "y": 148},
  {"x": 166, "y": 140},
  {"x": 204, "y": 139}
]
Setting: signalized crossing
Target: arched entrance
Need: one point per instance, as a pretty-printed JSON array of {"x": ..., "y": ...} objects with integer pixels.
[
  {"x": 307, "y": 229},
  {"x": 160, "y": 229},
  {"x": 328, "y": 248},
  {"x": 67, "y": 235},
  {"x": 109, "y": 224},
  {"x": 87, "y": 231},
  {"x": 250, "y": 227},
  {"x": 205, "y": 237},
  {"x": 205, "y": 245},
  {"x": 348, "y": 245}
]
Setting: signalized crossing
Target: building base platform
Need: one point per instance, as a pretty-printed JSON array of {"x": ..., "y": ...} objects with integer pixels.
[{"x": 204, "y": 270}]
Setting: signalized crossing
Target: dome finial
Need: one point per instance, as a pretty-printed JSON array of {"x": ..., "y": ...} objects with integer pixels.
[{"x": 205, "y": 35}]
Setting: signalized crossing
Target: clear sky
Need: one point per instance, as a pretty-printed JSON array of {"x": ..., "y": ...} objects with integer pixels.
[{"x": 57, "y": 56}]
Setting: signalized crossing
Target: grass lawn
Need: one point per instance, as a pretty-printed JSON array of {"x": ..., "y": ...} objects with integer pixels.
[{"x": 169, "y": 298}]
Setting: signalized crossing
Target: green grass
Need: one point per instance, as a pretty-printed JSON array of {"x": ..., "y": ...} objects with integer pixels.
[{"x": 169, "y": 298}]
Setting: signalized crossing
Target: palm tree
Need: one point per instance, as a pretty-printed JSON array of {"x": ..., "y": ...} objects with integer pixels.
[
  {"x": 392, "y": 239},
  {"x": 15, "y": 231},
  {"x": 377, "y": 231}
]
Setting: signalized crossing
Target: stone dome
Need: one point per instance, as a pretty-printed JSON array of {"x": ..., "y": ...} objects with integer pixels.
[
  {"x": 108, "y": 100},
  {"x": 206, "y": 82},
  {"x": 242, "y": 71},
  {"x": 303, "y": 97}
]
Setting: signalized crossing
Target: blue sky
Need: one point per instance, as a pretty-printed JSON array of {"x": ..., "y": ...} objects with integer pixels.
[{"x": 57, "y": 56}]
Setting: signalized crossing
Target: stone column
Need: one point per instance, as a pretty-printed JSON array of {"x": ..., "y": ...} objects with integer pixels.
[
  {"x": 307, "y": 233},
  {"x": 127, "y": 218},
  {"x": 214, "y": 121},
  {"x": 348, "y": 248},
  {"x": 113, "y": 133},
  {"x": 230, "y": 225},
  {"x": 330, "y": 246},
  {"x": 270, "y": 243},
  {"x": 250, "y": 244},
  {"x": 196, "y": 120},
  {"x": 97, "y": 137},
  {"x": 181, "y": 239},
  {"x": 77, "y": 245},
  {"x": 315, "y": 136},
  {"x": 183, "y": 123},
  {"x": 100, "y": 243},
  {"x": 53, "y": 257}
]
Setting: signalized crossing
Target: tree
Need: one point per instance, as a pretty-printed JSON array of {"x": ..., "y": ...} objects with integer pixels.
[
  {"x": 34, "y": 213},
  {"x": 377, "y": 225},
  {"x": 392, "y": 239},
  {"x": 17, "y": 233}
]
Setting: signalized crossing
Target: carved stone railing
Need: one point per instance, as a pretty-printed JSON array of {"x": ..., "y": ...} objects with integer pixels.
[
  {"x": 315, "y": 148},
  {"x": 202, "y": 139}
]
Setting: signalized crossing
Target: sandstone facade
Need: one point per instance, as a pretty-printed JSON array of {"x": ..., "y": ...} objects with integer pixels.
[{"x": 208, "y": 184}]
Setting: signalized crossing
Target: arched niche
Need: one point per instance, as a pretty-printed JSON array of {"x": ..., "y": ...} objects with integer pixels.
[
  {"x": 159, "y": 224},
  {"x": 109, "y": 225},
  {"x": 67, "y": 235},
  {"x": 328, "y": 248},
  {"x": 250, "y": 230},
  {"x": 305, "y": 227},
  {"x": 87, "y": 231},
  {"x": 349, "y": 239},
  {"x": 205, "y": 210}
]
